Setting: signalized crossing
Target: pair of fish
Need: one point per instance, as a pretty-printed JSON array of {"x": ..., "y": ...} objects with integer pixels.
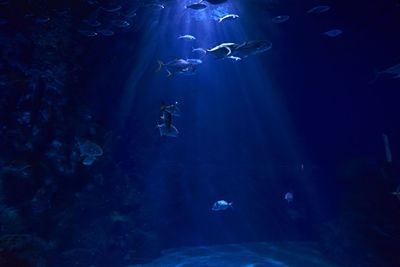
[{"x": 244, "y": 50}]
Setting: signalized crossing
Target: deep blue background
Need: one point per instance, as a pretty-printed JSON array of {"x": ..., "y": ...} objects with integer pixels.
[{"x": 248, "y": 126}]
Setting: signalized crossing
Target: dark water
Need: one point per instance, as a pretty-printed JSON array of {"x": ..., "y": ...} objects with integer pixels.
[{"x": 87, "y": 180}]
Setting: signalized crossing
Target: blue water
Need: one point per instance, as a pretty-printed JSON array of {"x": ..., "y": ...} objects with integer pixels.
[{"x": 87, "y": 180}]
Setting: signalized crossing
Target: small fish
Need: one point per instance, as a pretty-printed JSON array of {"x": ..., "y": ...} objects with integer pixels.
[
  {"x": 221, "y": 205},
  {"x": 333, "y": 33},
  {"x": 88, "y": 33},
  {"x": 194, "y": 61},
  {"x": 106, "y": 32},
  {"x": 289, "y": 197},
  {"x": 234, "y": 58},
  {"x": 167, "y": 130},
  {"x": 3, "y": 21},
  {"x": 177, "y": 66},
  {"x": 280, "y": 19},
  {"x": 111, "y": 9},
  {"x": 318, "y": 9},
  {"x": 172, "y": 109},
  {"x": 392, "y": 70},
  {"x": 121, "y": 23},
  {"x": 42, "y": 19},
  {"x": 397, "y": 193},
  {"x": 228, "y": 17},
  {"x": 196, "y": 6},
  {"x": 187, "y": 36}
]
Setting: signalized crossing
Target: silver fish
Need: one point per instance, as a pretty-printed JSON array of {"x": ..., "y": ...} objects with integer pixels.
[
  {"x": 249, "y": 48},
  {"x": 177, "y": 66},
  {"x": 228, "y": 17},
  {"x": 220, "y": 51},
  {"x": 221, "y": 205},
  {"x": 187, "y": 36}
]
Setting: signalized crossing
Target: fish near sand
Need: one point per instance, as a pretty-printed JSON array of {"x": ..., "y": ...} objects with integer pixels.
[{"x": 177, "y": 66}]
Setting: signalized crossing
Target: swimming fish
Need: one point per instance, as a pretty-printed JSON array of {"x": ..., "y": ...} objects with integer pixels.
[
  {"x": 228, "y": 17},
  {"x": 392, "y": 70},
  {"x": 221, "y": 205},
  {"x": 194, "y": 61},
  {"x": 172, "y": 109},
  {"x": 248, "y": 48},
  {"x": 280, "y": 19},
  {"x": 220, "y": 51},
  {"x": 106, "y": 32},
  {"x": 333, "y": 33},
  {"x": 233, "y": 58},
  {"x": 177, "y": 66},
  {"x": 121, "y": 23},
  {"x": 187, "y": 36},
  {"x": 319, "y": 9},
  {"x": 289, "y": 197},
  {"x": 197, "y": 6},
  {"x": 167, "y": 130},
  {"x": 88, "y": 33},
  {"x": 397, "y": 192},
  {"x": 89, "y": 151}
]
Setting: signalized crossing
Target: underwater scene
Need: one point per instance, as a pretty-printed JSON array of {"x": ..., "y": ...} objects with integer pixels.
[{"x": 199, "y": 133}]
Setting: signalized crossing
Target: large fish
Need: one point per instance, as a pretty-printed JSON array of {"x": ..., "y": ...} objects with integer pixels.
[
  {"x": 220, "y": 51},
  {"x": 177, "y": 66},
  {"x": 248, "y": 48}
]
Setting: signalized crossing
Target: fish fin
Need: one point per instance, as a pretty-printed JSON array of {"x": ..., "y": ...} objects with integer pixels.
[
  {"x": 229, "y": 51},
  {"x": 160, "y": 65},
  {"x": 220, "y": 20},
  {"x": 377, "y": 74},
  {"x": 169, "y": 74}
]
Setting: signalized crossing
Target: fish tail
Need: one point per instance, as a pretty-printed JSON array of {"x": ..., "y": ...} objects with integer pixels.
[
  {"x": 200, "y": 49},
  {"x": 231, "y": 205},
  {"x": 377, "y": 74},
  {"x": 160, "y": 65}
]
